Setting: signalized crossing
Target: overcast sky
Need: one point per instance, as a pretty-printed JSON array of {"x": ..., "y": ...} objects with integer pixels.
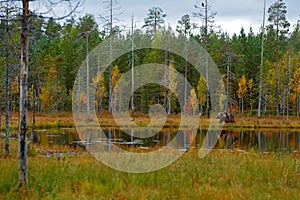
[{"x": 231, "y": 14}]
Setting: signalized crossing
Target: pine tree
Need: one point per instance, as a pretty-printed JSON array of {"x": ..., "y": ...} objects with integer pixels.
[
  {"x": 154, "y": 19},
  {"x": 277, "y": 16}
]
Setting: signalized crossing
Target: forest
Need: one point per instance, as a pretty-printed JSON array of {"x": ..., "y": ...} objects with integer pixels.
[
  {"x": 50, "y": 150},
  {"x": 58, "y": 49}
]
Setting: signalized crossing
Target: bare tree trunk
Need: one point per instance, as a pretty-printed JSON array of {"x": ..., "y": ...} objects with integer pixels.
[
  {"x": 168, "y": 78},
  {"x": 261, "y": 62},
  {"x": 265, "y": 105},
  {"x": 277, "y": 60},
  {"x": 185, "y": 78},
  {"x": 22, "y": 151},
  {"x": 283, "y": 103},
  {"x": 87, "y": 78},
  {"x": 34, "y": 98},
  {"x": 289, "y": 90},
  {"x": 228, "y": 81},
  {"x": 56, "y": 91},
  {"x": 33, "y": 117},
  {"x": 132, "y": 68},
  {"x": 185, "y": 86},
  {"x": 56, "y": 94},
  {"x": 7, "y": 87},
  {"x": 38, "y": 99},
  {"x": 99, "y": 83},
  {"x": 242, "y": 105},
  {"x": 78, "y": 96},
  {"x": 206, "y": 62},
  {"x": 155, "y": 21},
  {"x": 7, "y": 112},
  {"x": 110, "y": 106}
]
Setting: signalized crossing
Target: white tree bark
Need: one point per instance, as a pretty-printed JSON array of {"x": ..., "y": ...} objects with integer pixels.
[
  {"x": 22, "y": 150},
  {"x": 261, "y": 62}
]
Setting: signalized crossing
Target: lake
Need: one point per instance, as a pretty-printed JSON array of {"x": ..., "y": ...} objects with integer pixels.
[{"x": 243, "y": 140}]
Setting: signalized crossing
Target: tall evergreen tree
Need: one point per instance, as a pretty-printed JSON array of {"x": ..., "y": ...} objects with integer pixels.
[
  {"x": 184, "y": 25},
  {"x": 155, "y": 19},
  {"x": 277, "y": 16}
]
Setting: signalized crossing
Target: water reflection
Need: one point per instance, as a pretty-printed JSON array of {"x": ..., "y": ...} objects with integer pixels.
[{"x": 262, "y": 141}]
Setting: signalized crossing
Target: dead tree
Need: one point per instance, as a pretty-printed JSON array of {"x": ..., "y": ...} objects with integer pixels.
[{"x": 71, "y": 6}]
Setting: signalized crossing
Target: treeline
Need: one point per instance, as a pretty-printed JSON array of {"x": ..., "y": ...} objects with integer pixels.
[{"x": 58, "y": 50}]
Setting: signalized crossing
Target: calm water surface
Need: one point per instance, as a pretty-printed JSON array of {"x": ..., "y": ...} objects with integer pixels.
[{"x": 260, "y": 140}]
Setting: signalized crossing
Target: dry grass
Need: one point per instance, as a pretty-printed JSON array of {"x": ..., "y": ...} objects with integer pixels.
[
  {"x": 50, "y": 121},
  {"x": 221, "y": 175}
]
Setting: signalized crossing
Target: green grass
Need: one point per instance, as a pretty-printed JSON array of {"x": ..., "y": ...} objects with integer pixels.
[{"x": 221, "y": 175}]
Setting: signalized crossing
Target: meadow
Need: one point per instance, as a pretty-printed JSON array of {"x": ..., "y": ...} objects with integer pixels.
[{"x": 223, "y": 174}]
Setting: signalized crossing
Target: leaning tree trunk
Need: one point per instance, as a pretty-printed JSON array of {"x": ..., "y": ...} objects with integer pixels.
[{"x": 22, "y": 151}]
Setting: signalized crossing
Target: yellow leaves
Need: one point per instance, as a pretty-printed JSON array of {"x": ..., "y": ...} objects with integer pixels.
[
  {"x": 295, "y": 86},
  {"x": 98, "y": 83},
  {"x": 250, "y": 85},
  {"x": 52, "y": 90},
  {"x": 47, "y": 97},
  {"x": 15, "y": 86},
  {"x": 201, "y": 87},
  {"x": 172, "y": 78},
  {"x": 193, "y": 99},
  {"x": 115, "y": 75},
  {"x": 271, "y": 82},
  {"x": 295, "y": 81},
  {"x": 242, "y": 91},
  {"x": 49, "y": 62}
]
